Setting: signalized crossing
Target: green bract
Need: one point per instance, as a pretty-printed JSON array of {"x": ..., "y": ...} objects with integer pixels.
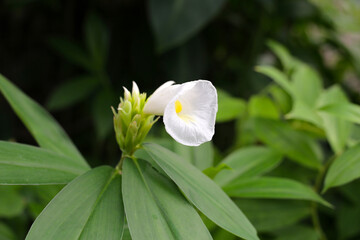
[{"x": 130, "y": 123}]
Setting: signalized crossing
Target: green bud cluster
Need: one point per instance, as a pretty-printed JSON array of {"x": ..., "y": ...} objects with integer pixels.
[{"x": 131, "y": 124}]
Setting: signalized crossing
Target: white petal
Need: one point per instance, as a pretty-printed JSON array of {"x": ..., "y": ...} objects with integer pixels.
[
  {"x": 157, "y": 102},
  {"x": 195, "y": 124},
  {"x": 127, "y": 94},
  {"x": 135, "y": 89}
]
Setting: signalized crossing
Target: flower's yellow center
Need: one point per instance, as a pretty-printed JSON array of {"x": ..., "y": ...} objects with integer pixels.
[{"x": 178, "y": 106}]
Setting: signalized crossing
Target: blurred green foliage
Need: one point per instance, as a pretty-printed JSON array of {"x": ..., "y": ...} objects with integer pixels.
[{"x": 74, "y": 57}]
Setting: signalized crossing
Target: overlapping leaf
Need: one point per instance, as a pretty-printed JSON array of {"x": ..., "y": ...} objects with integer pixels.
[{"x": 202, "y": 192}]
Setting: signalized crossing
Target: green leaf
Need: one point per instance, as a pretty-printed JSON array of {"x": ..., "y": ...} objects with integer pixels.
[
  {"x": 11, "y": 202},
  {"x": 344, "y": 169},
  {"x": 269, "y": 215},
  {"x": 346, "y": 111},
  {"x": 262, "y": 106},
  {"x": 347, "y": 221},
  {"x": 201, "y": 157},
  {"x": 281, "y": 98},
  {"x": 229, "y": 107},
  {"x": 90, "y": 207},
  {"x": 175, "y": 21},
  {"x": 279, "y": 77},
  {"x": 71, "y": 52},
  {"x": 273, "y": 187},
  {"x": 97, "y": 41},
  {"x": 71, "y": 92},
  {"x": 337, "y": 129},
  {"x": 202, "y": 192},
  {"x": 6, "y": 233},
  {"x": 211, "y": 172},
  {"x": 24, "y": 164},
  {"x": 44, "y": 128},
  {"x": 303, "y": 112},
  {"x": 248, "y": 162},
  {"x": 296, "y": 145},
  {"x": 157, "y": 210},
  {"x": 283, "y": 54},
  {"x": 306, "y": 85},
  {"x": 102, "y": 114},
  {"x": 297, "y": 232}
]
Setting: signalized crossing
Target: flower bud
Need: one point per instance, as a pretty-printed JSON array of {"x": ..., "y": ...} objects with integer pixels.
[{"x": 131, "y": 124}]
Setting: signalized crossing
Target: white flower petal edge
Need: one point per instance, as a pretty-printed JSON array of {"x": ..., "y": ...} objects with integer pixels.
[
  {"x": 189, "y": 117},
  {"x": 157, "y": 102}
]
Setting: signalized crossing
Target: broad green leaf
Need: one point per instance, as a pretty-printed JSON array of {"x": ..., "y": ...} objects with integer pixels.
[
  {"x": 71, "y": 52},
  {"x": 344, "y": 169},
  {"x": 296, "y": 145},
  {"x": 101, "y": 112},
  {"x": 279, "y": 77},
  {"x": 303, "y": 112},
  {"x": 202, "y": 192},
  {"x": 97, "y": 41},
  {"x": 281, "y": 98},
  {"x": 229, "y": 107},
  {"x": 11, "y": 202},
  {"x": 283, "y": 54},
  {"x": 306, "y": 85},
  {"x": 24, "y": 164},
  {"x": 262, "y": 106},
  {"x": 6, "y": 233},
  {"x": 89, "y": 207},
  {"x": 247, "y": 162},
  {"x": 71, "y": 92},
  {"x": 44, "y": 128},
  {"x": 346, "y": 111},
  {"x": 336, "y": 128},
  {"x": 272, "y": 187},
  {"x": 175, "y": 21},
  {"x": 201, "y": 157},
  {"x": 269, "y": 215},
  {"x": 297, "y": 232},
  {"x": 157, "y": 210}
]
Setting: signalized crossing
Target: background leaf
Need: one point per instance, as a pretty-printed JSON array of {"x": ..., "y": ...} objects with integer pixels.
[
  {"x": 201, "y": 157},
  {"x": 23, "y": 164},
  {"x": 97, "y": 41},
  {"x": 344, "y": 169},
  {"x": 272, "y": 187},
  {"x": 71, "y": 92},
  {"x": 175, "y": 21},
  {"x": 11, "y": 202},
  {"x": 269, "y": 215},
  {"x": 71, "y": 52},
  {"x": 157, "y": 210},
  {"x": 296, "y": 145},
  {"x": 337, "y": 129},
  {"x": 40, "y": 123},
  {"x": 91, "y": 208},
  {"x": 247, "y": 162},
  {"x": 202, "y": 192},
  {"x": 6, "y": 233},
  {"x": 102, "y": 114},
  {"x": 229, "y": 108}
]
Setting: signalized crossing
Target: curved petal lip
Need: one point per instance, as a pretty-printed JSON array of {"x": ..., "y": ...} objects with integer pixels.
[{"x": 200, "y": 103}]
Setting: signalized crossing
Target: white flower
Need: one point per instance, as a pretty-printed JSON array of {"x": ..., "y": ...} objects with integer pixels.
[{"x": 189, "y": 110}]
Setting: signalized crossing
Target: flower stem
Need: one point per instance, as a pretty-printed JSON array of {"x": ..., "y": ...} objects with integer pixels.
[
  {"x": 118, "y": 167},
  {"x": 314, "y": 206}
]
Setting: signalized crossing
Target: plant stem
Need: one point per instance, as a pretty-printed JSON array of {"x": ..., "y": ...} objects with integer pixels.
[
  {"x": 314, "y": 206},
  {"x": 119, "y": 165}
]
